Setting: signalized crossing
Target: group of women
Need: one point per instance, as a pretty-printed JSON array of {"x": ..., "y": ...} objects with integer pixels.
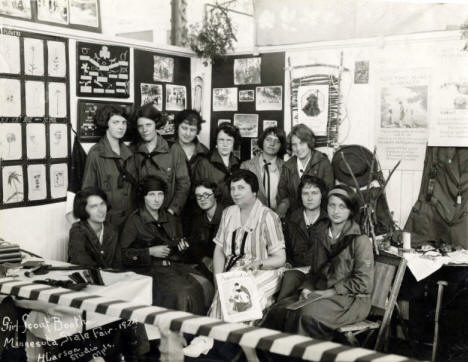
[{"x": 181, "y": 213}]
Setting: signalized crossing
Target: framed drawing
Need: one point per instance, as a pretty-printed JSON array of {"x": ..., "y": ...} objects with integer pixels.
[
  {"x": 12, "y": 184},
  {"x": 37, "y": 183},
  {"x": 11, "y": 144}
]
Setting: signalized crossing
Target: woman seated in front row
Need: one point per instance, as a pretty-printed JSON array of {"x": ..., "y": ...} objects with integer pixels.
[
  {"x": 341, "y": 275},
  {"x": 249, "y": 238},
  {"x": 152, "y": 244}
]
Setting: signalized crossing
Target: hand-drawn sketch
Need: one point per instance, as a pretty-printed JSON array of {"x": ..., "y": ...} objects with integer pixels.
[
  {"x": 403, "y": 107},
  {"x": 247, "y": 124},
  {"x": 10, "y": 141},
  {"x": 247, "y": 70},
  {"x": 58, "y": 180},
  {"x": 269, "y": 98},
  {"x": 37, "y": 189},
  {"x": 21, "y": 9},
  {"x": 53, "y": 11},
  {"x": 10, "y": 98},
  {"x": 58, "y": 136},
  {"x": 10, "y": 54},
  {"x": 163, "y": 69},
  {"x": 312, "y": 104},
  {"x": 35, "y": 141},
  {"x": 13, "y": 184},
  {"x": 176, "y": 97},
  {"x": 33, "y": 56},
  {"x": 57, "y": 100},
  {"x": 35, "y": 99},
  {"x": 267, "y": 123},
  {"x": 246, "y": 95},
  {"x": 84, "y": 12},
  {"x": 152, "y": 93},
  {"x": 57, "y": 60},
  {"x": 224, "y": 99}
]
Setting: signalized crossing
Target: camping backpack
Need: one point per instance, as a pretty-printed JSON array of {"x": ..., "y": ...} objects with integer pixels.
[{"x": 440, "y": 213}]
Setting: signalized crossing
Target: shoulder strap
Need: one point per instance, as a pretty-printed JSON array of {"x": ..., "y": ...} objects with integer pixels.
[{"x": 124, "y": 175}]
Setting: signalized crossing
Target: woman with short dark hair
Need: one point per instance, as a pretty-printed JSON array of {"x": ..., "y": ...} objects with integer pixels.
[
  {"x": 93, "y": 242},
  {"x": 107, "y": 160},
  {"x": 305, "y": 161},
  {"x": 221, "y": 162}
]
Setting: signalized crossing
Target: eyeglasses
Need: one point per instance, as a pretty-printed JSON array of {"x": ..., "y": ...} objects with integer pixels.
[{"x": 204, "y": 196}]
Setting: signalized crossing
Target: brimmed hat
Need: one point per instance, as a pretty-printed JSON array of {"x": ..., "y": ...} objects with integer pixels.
[{"x": 359, "y": 159}]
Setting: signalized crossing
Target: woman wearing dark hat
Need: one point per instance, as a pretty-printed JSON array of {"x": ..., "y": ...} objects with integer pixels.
[
  {"x": 340, "y": 281},
  {"x": 221, "y": 162},
  {"x": 306, "y": 161},
  {"x": 106, "y": 162},
  {"x": 152, "y": 244},
  {"x": 154, "y": 157}
]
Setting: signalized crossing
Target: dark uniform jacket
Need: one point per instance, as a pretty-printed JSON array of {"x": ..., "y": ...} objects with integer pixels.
[
  {"x": 319, "y": 165},
  {"x": 169, "y": 164},
  {"x": 302, "y": 243},
  {"x": 214, "y": 170},
  {"x": 201, "y": 151},
  {"x": 101, "y": 171},
  {"x": 142, "y": 231},
  {"x": 85, "y": 249}
]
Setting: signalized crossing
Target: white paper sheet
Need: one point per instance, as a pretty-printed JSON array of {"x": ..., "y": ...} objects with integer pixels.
[
  {"x": 35, "y": 99},
  {"x": 13, "y": 184},
  {"x": 10, "y": 98},
  {"x": 33, "y": 56},
  {"x": 10, "y": 141},
  {"x": 58, "y": 180},
  {"x": 35, "y": 141},
  {"x": 57, "y": 61},
  {"x": 57, "y": 100},
  {"x": 10, "y": 54},
  {"x": 58, "y": 140}
]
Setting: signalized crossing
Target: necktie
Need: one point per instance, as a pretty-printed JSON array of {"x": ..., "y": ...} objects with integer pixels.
[{"x": 266, "y": 180}]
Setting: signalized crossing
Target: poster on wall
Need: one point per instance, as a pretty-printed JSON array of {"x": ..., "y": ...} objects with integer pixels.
[
  {"x": 87, "y": 130},
  {"x": 10, "y": 54},
  {"x": 152, "y": 93},
  {"x": 58, "y": 180},
  {"x": 10, "y": 141},
  {"x": 168, "y": 128},
  {"x": 103, "y": 70},
  {"x": 33, "y": 57},
  {"x": 56, "y": 59},
  {"x": 267, "y": 123},
  {"x": 12, "y": 184},
  {"x": 247, "y": 124},
  {"x": 224, "y": 99},
  {"x": 53, "y": 11},
  {"x": 58, "y": 140},
  {"x": 176, "y": 97},
  {"x": 10, "y": 98},
  {"x": 269, "y": 98},
  {"x": 35, "y": 141},
  {"x": 37, "y": 184},
  {"x": 246, "y": 95},
  {"x": 247, "y": 71},
  {"x": 57, "y": 100},
  {"x": 448, "y": 126},
  {"x": 35, "y": 98},
  {"x": 163, "y": 69},
  {"x": 85, "y": 13},
  {"x": 402, "y": 120},
  {"x": 312, "y": 104},
  {"x": 16, "y": 8}
]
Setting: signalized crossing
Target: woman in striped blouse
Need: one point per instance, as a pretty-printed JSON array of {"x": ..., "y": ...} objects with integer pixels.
[{"x": 249, "y": 238}]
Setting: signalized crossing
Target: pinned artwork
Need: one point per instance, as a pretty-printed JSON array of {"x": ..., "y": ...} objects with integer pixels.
[
  {"x": 57, "y": 61},
  {"x": 224, "y": 99},
  {"x": 163, "y": 69},
  {"x": 53, "y": 11},
  {"x": 10, "y": 54},
  {"x": 13, "y": 184},
  {"x": 20, "y": 9},
  {"x": 168, "y": 128},
  {"x": 269, "y": 98},
  {"x": 10, "y": 98},
  {"x": 84, "y": 13},
  {"x": 58, "y": 137},
  {"x": 57, "y": 100},
  {"x": 37, "y": 189},
  {"x": 35, "y": 141},
  {"x": 10, "y": 141},
  {"x": 58, "y": 180},
  {"x": 152, "y": 93},
  {"x": 176, "y": 97},
  {"x": 35, "y": 99},
  {"x": 247, "y": 71},
  {"x": 246, "y": 95},
  {"x": 103, "y": 70},
  {"x": 33, "y": 56},
  {"x": 267, "y": 123},
  {"x": 361, "y": 72},
  {"x": 247, "y": 124},
  {"x": 312, "y": 104}
]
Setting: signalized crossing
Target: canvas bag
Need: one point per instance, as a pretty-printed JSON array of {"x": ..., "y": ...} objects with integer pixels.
[{"x": 440, "y": 213}]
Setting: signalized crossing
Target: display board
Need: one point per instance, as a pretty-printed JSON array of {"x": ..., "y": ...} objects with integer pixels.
[
  {"x": 163, "y": 80},
  {"x": 248, "y": 91},
  {"x": 34, "y": 118}
]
